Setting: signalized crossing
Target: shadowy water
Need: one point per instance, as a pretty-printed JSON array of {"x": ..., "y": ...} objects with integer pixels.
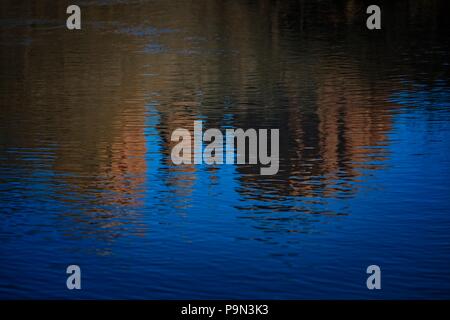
[{"x": 85, "y": 171}]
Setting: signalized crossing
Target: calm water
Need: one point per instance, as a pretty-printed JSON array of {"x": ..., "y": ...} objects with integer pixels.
[{"x": 85, "y": 170}]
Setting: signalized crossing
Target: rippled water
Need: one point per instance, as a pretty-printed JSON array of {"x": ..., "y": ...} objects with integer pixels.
[{"x": 85, "y": 170}]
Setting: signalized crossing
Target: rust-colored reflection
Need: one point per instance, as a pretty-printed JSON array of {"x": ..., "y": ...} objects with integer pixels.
[
  {"x": 81, "y": 94},
  {"x": 231, "y": 64}
]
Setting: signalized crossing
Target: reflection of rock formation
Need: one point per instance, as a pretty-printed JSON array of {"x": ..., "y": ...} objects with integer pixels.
[
  {"x": 324, "y": 106},
  {"x": 292, "y": 65},
  {"x": 180, "y": 178},
  {"x": 80, "y": 94},
  {"x": 252, "y": 56},
  {"x": 328, "y": 136}
]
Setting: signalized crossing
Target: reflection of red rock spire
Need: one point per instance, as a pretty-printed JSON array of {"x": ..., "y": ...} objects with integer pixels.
[{"x": 350, "y": 113}]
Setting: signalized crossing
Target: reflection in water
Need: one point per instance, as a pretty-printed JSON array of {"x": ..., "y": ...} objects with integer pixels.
[{"x": 86, "y": 119}]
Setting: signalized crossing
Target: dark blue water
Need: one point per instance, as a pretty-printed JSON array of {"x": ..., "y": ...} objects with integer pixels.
[{"x": 86, "y": 176}]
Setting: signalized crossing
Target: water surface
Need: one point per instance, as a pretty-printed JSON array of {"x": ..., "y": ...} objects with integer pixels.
[{"x": 85, "y": 171}]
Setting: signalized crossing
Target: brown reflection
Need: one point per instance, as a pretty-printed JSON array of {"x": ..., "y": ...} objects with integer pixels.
[
  {"x": 80, "y": 93},
  {"x": 328, "y": 101},
  {"x": 180, "y": 179},
  {"x": 301, "y": 66},
  {"x": 330, "y": 114}
]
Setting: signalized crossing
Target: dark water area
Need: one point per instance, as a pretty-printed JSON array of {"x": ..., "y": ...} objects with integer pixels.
[{"x": 86, "y": 176}]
